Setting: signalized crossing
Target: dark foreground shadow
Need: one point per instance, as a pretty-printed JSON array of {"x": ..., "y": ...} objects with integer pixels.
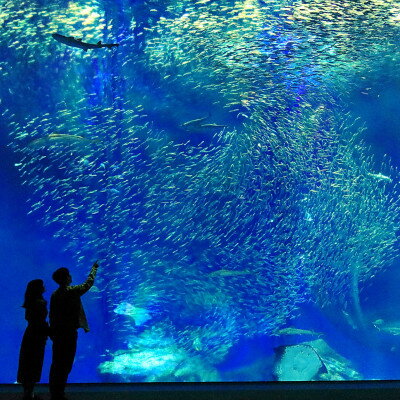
[{"x": 363, "y": 390}]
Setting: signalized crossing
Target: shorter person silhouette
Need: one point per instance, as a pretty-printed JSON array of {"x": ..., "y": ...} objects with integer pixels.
[
  {"x": 66, "y": 316},
  {"x": 34, "y": 340}
]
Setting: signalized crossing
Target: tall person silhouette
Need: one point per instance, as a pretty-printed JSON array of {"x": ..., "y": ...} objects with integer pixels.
[
  {"x": 66, "y": 317},
  {"x": 34, "y": 340}
]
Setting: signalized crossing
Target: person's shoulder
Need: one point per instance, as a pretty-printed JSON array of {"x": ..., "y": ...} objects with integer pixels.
[{"x": 57, "y": 292}]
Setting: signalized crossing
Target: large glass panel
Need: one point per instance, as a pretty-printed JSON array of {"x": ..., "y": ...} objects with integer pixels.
[{"x": 233, "y": 167}]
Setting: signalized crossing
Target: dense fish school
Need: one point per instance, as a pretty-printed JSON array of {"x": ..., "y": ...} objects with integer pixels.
[{"x": 210, "y": 162}]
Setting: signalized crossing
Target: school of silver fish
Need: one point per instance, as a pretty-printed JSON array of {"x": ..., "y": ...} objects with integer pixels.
[{"x": 210, "y": 162}]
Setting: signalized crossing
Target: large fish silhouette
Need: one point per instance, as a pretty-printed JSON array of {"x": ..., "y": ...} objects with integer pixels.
[{"x": 71, "y": 41}]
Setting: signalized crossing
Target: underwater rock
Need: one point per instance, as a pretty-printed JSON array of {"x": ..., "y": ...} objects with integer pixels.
[
  {"x": 311, "y": 361},
  {"x": 258, "y": 370},
  {"x": 143, "y": 363},
  {"x": 153, "y": 357},
  {"x": 338, "y": 367},
  {"x": 298, "y": 363}
]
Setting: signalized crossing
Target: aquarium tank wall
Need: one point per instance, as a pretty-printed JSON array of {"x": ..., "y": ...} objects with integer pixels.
[{"x": 232, "y": 164}]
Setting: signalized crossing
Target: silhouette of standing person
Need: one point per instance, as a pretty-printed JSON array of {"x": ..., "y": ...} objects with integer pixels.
[
  {"x": 66, "y": 316},
  {"x": 34, "y": 340}
]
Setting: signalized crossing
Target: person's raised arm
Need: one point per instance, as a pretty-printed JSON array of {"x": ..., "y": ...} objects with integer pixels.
[{"x": 85, "y": 286}]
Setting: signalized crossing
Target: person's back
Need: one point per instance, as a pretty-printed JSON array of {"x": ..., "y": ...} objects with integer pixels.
[
  {"x": 66, "y": 316},
  {"x": 66, "y": 311}
]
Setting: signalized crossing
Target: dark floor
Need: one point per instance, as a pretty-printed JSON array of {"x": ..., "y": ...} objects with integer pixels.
[{"x": 369, "y": 390}]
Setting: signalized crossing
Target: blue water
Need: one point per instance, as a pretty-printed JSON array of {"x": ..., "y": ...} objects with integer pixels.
[{"x": 233, "y": 166}]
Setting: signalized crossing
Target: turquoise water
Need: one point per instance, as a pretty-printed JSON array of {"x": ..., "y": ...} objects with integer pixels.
[{"x": 233, "y": 166}]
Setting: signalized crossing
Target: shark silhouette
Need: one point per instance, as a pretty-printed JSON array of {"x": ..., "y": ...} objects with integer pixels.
[{"x": 71, "y": 41}]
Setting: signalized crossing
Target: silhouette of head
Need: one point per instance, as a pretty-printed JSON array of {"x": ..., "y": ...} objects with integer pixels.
[
  {"x": 62, "y": 276},
  {"x": 34, "y": 291}
]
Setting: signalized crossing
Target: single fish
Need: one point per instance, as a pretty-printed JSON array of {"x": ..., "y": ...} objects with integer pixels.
[
  {"x": 395, "y": 330},
  {"x": 391, "y": 328},
  {"x": 195, "y": 122},
  {"x": 197, "y": 345},
  {"x": 71, "y": 41},
  {"x": 380, "y": 176},
  {"x": 210, "y": 126},
  {"x": 63, "y": 138},
  {"x": 296, "y": 331},
  {"x": 227, "y": 272},
  {"x": 378, "y": 323}
]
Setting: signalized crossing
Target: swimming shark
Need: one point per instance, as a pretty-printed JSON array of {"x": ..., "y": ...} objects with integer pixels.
[{"x": 71, "y": 41}]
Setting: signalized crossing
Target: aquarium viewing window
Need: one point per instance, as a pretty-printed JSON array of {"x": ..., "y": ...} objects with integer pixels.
[{"x": 233, "y": 166}]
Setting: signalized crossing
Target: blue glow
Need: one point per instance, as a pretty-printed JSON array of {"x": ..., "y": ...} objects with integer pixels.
[{"x": 233, "y": 166}]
